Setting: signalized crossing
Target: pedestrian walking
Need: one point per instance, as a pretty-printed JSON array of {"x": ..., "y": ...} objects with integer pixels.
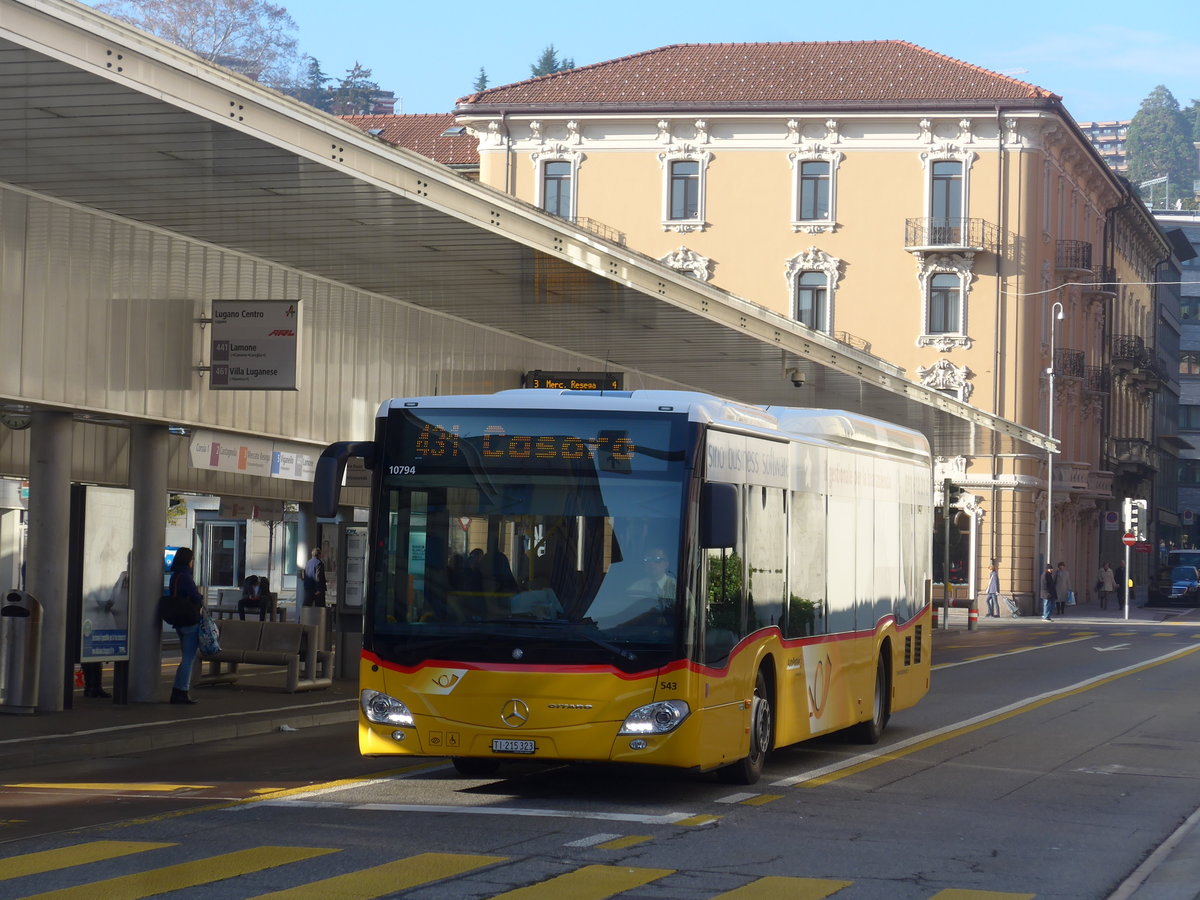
[
  {"x": 1048, "y": 593},
  {"x": 1106, "y": 583},
  {"x": 993, "y": 593},
  {"x": 1063, "y": 592}
]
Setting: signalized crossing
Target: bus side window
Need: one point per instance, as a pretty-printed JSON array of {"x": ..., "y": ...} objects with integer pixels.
[{"x": 723, "y": 605}]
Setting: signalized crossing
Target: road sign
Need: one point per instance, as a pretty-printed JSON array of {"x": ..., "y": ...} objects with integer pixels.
[{"x": 1129, "y": 539}]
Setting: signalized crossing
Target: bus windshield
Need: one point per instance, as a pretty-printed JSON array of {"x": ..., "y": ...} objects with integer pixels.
[{"x": 557, "y": 534}]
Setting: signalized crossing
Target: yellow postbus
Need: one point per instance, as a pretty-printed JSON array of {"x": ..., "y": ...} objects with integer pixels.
[{"x": 653, "y": 577}]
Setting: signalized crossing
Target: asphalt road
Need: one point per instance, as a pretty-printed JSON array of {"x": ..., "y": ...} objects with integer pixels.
[{"x": 1048, "y": 761}]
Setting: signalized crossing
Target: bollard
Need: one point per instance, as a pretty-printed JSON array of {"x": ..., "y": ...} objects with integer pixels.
[{"x": 972, "y": 617}]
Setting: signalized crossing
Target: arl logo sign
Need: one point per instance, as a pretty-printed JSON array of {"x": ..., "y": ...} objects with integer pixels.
[{"x": 282, "y": 332}]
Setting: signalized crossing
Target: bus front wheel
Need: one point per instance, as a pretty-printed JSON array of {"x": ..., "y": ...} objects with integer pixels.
[
  {"x": 475, "y": 767},
  {"x": 762, "y": 725},
  {"x": 870, "y": 731}
]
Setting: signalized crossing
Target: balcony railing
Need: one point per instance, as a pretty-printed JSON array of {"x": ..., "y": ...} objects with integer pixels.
[
  {"x": 1068, "y": 362},
  {"x": 939, "y": 233},
  {"x": 1105, "y": 279},
  {"x": 853, "y": 340},
  {"x": 1097, "y": 379},
  {"x": 1073, "y": 255},
  {"x": 600, "y": 229},
  {"x": 1130, "y": 350}
]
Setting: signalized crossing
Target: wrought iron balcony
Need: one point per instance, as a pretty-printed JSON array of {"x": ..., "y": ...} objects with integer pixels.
[
  {"x": 1068, "y": 362},
  {"x": 937, "y": 233},
  {"x": 1129, "y": 351},
  {"x": 1097, "y": 379},
  {"x": 1105, "y": 281},
  {"x": 1073, "y": 255}
]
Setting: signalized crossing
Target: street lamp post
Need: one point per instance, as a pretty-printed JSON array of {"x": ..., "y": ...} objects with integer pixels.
[{"x": 1056, "y": 315}]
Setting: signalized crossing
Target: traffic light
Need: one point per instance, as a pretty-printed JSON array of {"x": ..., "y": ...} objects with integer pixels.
[
  {"x": 951, "y": 494},
  {"x": 1135, "y": 517}
]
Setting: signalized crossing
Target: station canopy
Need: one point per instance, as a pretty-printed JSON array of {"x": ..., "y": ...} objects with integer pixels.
[{"x": 102, "y": 115}]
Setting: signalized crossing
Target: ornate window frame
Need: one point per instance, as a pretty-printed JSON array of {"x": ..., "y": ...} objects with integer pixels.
[
  {"x": 947, "y": 152},
  {"x": 796, "y": 159},
  {"x": 814, "y": 260},
  {"x": 685, "y": 152},
  {"x": 962, "y": 265},
  {"x": 689, "y": 262},
  {"x": 556, "y": 153}
]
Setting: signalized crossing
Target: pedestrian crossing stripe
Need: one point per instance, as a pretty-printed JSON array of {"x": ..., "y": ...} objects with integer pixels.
[
  {"x": 80, "y": 854},
  {"x": 186, "y": 875},
  {"x": 587, "y": 883},
  {"x": 590, "y": 882},
  {"x": 774, "y": 886},
  {"x": 387, "y": 878}
]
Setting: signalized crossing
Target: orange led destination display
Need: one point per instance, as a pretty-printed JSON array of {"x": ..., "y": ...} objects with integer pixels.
[{"x": 575, "y": 381}]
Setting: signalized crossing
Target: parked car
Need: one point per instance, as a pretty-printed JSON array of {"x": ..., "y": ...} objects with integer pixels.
[{"x": 1182, "y": 585}]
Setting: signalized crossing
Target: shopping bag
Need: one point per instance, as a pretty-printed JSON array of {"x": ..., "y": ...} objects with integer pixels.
[
  {"x": 210, "y": 636},
  {"x": 1070, "y": 598}
]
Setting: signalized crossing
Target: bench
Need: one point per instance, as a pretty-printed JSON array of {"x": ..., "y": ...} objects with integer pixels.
[{"x": 252, "y": 642}]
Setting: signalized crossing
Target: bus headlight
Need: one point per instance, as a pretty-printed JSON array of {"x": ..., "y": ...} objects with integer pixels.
[
  {"x": 381, "y": 708},
  {"x": 657, "y": 718}
]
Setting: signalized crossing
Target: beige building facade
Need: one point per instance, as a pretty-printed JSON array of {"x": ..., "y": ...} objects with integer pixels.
[{"x": 911, "y": 205}]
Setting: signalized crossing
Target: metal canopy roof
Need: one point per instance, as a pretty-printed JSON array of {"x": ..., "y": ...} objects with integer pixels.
[{"x": 102, "y": 115}]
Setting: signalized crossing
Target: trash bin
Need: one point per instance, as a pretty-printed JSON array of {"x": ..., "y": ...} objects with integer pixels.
[{"x": 20, "y": 650}]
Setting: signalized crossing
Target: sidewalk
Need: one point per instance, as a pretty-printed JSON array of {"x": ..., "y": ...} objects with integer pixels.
[
  {"x": 96, "y": 727},
  {"x": 1082, "y": 614}
]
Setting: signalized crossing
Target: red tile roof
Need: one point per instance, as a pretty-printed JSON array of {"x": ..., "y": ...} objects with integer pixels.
[
  {"x": 769, "y": 74},
  {"x": 424, "y": 133}
]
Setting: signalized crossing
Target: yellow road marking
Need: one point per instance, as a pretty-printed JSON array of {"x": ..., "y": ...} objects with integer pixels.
[
  {"x": 1163, "y": 634},
  {"x": 955, "y": 894},
  {"x": 630, "y": 840},
  {"x": 697, "y": 820},
  {"x": 774, "y": 886},
  {"x": 1011, "y": 712},
  {"x": 186, "y": 875},
  {"x": 110, "y": 786},
  {"x": 80, "y": 854},
  {"x": 587, "y": 883},
  {"x": 386, "y": 879},
  {"x": 761, "y": 799}
]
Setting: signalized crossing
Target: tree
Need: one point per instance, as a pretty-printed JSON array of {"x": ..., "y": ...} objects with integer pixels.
[
  {"x": 353, "y": 95},
  {"x": 549, "y": 62},
  {"x": 481, "y": 82},
  {"x": 253, "y": 37},
  {"x": 313, "y": 86},
  {"x": 1159, "y": 145}
]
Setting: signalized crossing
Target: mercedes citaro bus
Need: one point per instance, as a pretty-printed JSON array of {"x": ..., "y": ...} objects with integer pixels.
[{"x": 655, "y": 577}]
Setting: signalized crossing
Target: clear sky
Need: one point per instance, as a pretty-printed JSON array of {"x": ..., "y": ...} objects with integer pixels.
[{"x": 1102, "y": 57}]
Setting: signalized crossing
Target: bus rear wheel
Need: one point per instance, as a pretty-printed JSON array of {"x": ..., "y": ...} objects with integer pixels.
[
  {"x": 475, "y": 767},
  {"x": 762, "y": 728},
  {"x": 870, "y": 731}
]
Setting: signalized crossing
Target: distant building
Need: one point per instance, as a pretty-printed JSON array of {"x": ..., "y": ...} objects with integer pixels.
[{"x": 1109, "y": 140}]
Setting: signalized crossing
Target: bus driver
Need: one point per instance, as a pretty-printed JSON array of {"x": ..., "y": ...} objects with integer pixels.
[{"x": 652, "y": 593}]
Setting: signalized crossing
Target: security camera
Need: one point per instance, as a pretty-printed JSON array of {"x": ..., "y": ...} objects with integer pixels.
[{"x": 797, "y": 377}]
